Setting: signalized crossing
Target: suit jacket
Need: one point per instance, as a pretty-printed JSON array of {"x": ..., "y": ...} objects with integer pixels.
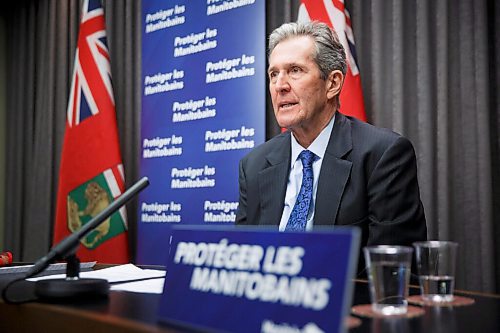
[{"x": 368, "y": 179}]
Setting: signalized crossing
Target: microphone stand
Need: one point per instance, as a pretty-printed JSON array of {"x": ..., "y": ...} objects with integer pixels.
[{"x": 73, "y": 286}]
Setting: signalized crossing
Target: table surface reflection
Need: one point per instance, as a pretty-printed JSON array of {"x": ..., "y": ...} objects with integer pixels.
[
  {"x": 482, "y": 316},
  {"x": 134, "y": 312}
]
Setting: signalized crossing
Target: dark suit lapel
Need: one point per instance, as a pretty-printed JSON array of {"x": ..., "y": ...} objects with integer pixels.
[
  {"x": 273, "y": 181},
  {"x": 334, "y": 172}
]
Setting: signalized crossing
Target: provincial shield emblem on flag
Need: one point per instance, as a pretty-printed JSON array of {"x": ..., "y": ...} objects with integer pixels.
[{"x": 88, "y": 200}]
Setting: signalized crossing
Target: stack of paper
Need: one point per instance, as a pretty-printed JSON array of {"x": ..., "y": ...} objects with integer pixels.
[{"x": 124, "y": 277}]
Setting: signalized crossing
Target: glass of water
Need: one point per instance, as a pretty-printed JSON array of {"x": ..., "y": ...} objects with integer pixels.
[
  {"x": 388, "y": 277},
  {"x": 436, "y": 261}
]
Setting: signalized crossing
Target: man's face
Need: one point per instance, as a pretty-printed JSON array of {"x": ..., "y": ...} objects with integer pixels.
[{"x": 298, "y": 93}]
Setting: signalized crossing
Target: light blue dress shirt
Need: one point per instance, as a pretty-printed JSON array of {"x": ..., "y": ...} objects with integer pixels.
[{"x": 318, "y": 147}]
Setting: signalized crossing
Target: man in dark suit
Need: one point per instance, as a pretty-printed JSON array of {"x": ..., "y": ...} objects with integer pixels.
[{"x": 360, "y": 175}]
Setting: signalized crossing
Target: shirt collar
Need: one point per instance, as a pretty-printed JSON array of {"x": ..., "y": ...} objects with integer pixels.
[{"x": 318, "y": 146}]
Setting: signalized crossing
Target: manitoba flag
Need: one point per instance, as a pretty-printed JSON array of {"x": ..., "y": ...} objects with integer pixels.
[
  {"x": 334, "y": 13},
  {"x": 91, "y": 172}
]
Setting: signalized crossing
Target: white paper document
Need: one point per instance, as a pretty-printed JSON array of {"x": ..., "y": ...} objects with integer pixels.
[
  {"x": 153, "y": 286},
  {"x": 51, "y": 267},
  {"x": 149, "y": 280}
]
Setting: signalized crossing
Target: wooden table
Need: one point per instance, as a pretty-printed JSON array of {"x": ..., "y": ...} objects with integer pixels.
[{"x": 134, "y": 312}]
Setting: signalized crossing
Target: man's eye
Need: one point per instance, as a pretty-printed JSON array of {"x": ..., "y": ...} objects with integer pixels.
[{"x": 296, "y": 70}]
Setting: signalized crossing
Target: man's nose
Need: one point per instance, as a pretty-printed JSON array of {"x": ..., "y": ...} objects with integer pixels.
[{"x": 282, "y": 83}]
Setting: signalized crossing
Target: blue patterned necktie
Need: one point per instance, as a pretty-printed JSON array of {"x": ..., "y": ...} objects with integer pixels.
[{"x": 298, "y": 217}]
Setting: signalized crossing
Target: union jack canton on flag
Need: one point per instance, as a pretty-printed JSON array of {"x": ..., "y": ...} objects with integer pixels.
[{"x": 91, "y": 90}]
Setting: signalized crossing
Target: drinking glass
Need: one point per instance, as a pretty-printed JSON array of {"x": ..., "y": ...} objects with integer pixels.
[
  {"x": 388, "y": 277},
  {"x": 436, "y": 261}
]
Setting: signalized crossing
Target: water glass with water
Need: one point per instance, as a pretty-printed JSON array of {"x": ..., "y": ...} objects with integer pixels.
[
  {"x": 436, "y": 261},
  {"x": 388, "y": 277}
]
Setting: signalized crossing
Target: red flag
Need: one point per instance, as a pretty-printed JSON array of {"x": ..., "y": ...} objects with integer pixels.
[
  {"x": 334, "y": 13},
  {"x": 91, "y": 172}
]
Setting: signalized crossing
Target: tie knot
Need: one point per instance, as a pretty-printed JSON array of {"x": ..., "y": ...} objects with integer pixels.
[{"x": 307, "y": 158}]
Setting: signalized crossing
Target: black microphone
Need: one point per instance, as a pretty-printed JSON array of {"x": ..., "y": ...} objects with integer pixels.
[{"x": 57, "y": 288}]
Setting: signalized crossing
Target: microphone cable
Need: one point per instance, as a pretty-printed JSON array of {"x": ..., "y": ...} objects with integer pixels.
[{"x": 6, "y": 297}]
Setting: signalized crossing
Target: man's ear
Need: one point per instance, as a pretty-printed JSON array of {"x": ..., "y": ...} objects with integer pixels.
[{"x": 334, "y": 84}]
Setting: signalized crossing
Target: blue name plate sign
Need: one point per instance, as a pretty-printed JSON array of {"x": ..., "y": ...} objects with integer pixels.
[{"x": 248, "y": 280}]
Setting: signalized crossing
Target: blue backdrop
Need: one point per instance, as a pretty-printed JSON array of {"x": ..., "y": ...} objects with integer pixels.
[{"x": 203, "y": 108}]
